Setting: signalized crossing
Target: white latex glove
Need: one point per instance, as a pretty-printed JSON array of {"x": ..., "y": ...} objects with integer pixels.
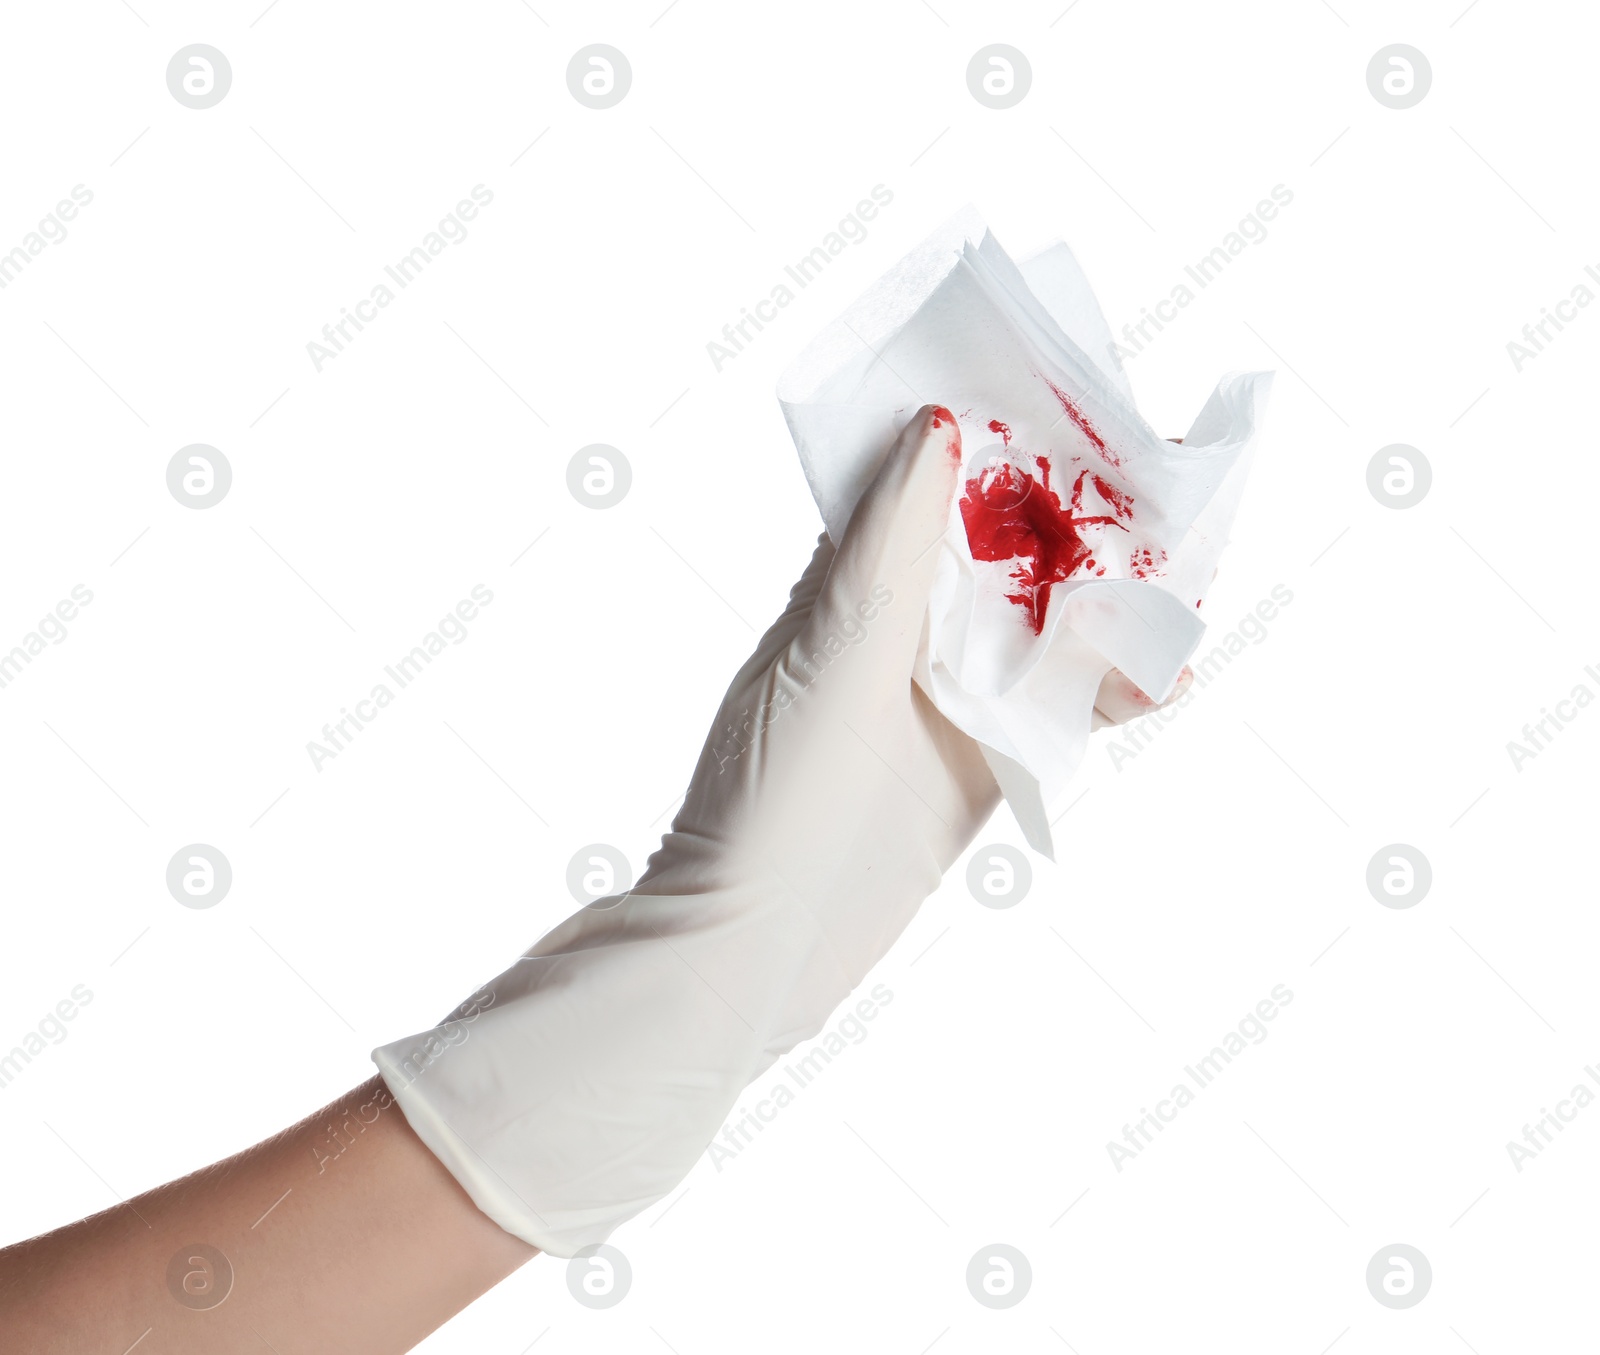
[{"x": 581, "y": 1085}]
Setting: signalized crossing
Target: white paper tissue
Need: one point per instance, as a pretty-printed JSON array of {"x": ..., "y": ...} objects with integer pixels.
[{"x": 1080, "y": 539}]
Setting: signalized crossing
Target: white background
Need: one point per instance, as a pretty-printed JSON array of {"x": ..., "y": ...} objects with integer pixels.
[{"x": 1226, "y": 858}]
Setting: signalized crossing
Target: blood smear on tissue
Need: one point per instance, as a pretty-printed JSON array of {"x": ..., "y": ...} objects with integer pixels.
[{"x": 1010, "y": 515}]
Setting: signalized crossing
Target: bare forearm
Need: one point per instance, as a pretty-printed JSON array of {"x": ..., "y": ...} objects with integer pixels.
[{"x": 343, "y": 1232}]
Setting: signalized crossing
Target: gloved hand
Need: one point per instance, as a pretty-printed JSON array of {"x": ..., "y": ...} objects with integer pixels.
[{"x": 580, "y": 1086}]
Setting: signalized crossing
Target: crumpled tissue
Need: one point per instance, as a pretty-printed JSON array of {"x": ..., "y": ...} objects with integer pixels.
[{"x": 1079, "y": 540}]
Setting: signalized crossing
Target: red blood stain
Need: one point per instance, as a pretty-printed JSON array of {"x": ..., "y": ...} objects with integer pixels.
[
  {"x": 1010, "y": 516},
  {"x": 1120, "y": 503},
  {"x": 943, "y": 418},
  {"x": 1144, "y": 563},
  {"x": 1084, "y": 426},
  {"x": 995, "y": 426}
]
